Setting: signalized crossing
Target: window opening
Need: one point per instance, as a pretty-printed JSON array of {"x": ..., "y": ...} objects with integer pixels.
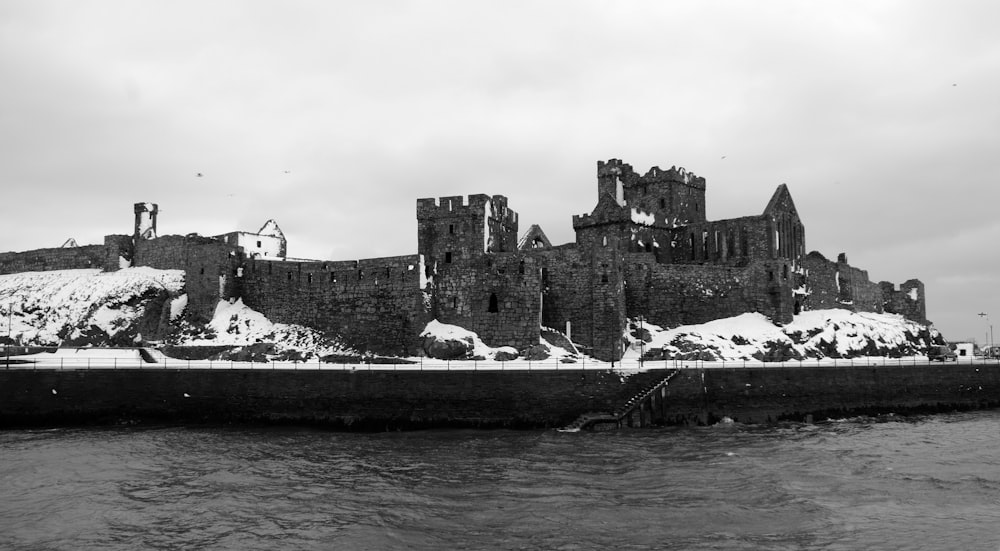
[
  {"x": 447, "y": 257},
  {"x": 494, "y": 304}
]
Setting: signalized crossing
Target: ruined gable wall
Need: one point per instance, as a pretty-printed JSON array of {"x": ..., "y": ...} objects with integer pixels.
[
  {"x": 371, "y": 305},
  {"x": 838, "y": 285},
  {"x": 463, "y": 292},
  {"x": 908, "y": 300},
  {"x": 734, "y": 242},
  {"x": 210, "y": 268},
  {"x": 673, "y": 295}
]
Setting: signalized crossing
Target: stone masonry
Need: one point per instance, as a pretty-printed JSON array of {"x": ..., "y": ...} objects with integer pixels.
[{"x": 647, "y": 250}]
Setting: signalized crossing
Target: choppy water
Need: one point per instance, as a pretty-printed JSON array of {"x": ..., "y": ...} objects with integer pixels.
[{"x": 918, "y": 483}]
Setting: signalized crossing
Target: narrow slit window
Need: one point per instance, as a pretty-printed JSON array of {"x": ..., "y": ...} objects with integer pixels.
[{"x": 494, "y": 304}]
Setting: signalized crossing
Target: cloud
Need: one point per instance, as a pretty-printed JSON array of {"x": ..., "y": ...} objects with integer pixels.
[{"x": 881, "y": 118}]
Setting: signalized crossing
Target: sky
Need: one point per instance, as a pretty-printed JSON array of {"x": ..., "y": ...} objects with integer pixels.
[{"x": 333, "y": 117}]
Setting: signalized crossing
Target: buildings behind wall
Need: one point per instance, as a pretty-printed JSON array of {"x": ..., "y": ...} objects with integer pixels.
[{"x": 646, "y": 251}]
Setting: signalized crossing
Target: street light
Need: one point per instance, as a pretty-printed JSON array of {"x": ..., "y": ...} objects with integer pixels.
[
  {"x": 10, "y": 321},
  {"x": 990, "y": 336}
]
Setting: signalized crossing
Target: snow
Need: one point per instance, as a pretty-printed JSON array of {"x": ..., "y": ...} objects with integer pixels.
[
  {"x": 177, "y": 306},
  {"x": 236, "y": 324},
  {"x": 447, "y": 332},
  {"x": 643, "y": 218},
  {"x": 44, "y": 305},
  {"x": 812, "y": 334}
]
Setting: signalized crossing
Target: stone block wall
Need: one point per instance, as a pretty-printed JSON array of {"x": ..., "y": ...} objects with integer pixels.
[
  {"x": 839, "y": 285},
  {"x": 907, "y": 300},
  {"x": 670, "y": 295},
  {"x": 117, "y": 248},
  {"x": 449, "y": 230},
  {"x": 373, "y": 304},
  {"x": 498, "y": 296},
  {"x": 43, "y": 260},
  {"x": 210, "y": 267}
]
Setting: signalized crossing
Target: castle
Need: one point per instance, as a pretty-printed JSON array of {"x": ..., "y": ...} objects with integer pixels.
[{"x": 645, "y": 251}]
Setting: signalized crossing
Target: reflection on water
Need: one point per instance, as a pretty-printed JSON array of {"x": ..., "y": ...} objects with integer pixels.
[{"x": 904, "y": 483}]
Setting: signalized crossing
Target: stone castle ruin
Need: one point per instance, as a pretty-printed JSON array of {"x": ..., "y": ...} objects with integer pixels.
[{"x": 646, "y": 251}]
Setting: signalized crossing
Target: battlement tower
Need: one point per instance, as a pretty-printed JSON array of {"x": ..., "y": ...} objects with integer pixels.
[
  {"x": 676, "y": 195},
  {"x": 449, "y": 229}
]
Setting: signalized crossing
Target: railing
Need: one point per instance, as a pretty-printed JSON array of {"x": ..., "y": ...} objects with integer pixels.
[{"x": 68, "y": 362}]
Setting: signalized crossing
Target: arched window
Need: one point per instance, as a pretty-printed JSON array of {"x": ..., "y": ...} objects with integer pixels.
[{"x": 494, "y": 304}]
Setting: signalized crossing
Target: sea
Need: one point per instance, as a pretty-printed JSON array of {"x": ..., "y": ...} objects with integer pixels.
[{"x": 888, "y": 482}]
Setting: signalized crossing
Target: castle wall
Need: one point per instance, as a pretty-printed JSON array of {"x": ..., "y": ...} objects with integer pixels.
[
  {"x": 584, "y": 286},
  {"x": 498, "y": 296},
  {"x": 672, "y": 295},
  {"x": 907, "y": 301},
  {"x": 839, "y": 285},
  {"x": 373, "y": 304},
  {"x": 43, "y": 260},
  {"x": 210, "y": 268}
]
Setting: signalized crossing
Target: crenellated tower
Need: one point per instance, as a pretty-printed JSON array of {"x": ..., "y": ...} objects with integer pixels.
[
  {"x": 449, "y": 229},
  {"x": 675, "y": 195}
]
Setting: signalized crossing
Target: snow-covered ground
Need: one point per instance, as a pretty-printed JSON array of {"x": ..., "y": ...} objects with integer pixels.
[
  {"x": 48, "y": 308},
  {"x": 236, "y": 324},
  {"x": 814, "y": 334}
]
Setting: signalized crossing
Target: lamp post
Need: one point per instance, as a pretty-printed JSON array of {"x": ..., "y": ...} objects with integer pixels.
[
  {"x": 10, "y": 321},
  {"x": 990, "y": 334}
]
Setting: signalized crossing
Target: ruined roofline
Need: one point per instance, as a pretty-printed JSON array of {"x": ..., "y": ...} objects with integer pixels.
[{"x": 655, "y": 175}]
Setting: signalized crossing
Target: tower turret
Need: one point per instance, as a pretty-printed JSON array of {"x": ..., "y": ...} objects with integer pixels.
[{"x": 145, "y": 221}]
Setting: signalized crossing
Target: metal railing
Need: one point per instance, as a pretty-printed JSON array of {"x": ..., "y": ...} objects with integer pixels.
[{"x": 67, "y": 362}]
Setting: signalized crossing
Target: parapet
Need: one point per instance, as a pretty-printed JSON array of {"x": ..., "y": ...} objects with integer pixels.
[
  {"x": 655, "y": 175},
  {"x": 476, "y": 205}
]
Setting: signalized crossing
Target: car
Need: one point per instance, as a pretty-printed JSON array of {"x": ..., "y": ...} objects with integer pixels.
[{"x": 941, "y": 353}]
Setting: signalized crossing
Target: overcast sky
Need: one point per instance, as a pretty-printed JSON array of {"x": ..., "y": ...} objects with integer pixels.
[{"x": 333, "y": 117}]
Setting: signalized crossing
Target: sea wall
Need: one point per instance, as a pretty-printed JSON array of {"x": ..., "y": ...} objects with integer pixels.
[{"x": 382, "y": 400}]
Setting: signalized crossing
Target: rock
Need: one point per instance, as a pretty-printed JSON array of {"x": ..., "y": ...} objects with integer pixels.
[
  {"x": 451, "y": 349},
  {"x": 535, "y": 353},
  {"x": 506, "y": 354}
]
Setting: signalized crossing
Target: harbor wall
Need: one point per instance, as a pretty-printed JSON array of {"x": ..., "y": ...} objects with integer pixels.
[{"x": 389, "y": 400}]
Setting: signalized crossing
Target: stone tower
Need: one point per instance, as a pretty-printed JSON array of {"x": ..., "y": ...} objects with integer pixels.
[
  {"x": 145, "y": 221},
  {"x": 449, "y": 231}
]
